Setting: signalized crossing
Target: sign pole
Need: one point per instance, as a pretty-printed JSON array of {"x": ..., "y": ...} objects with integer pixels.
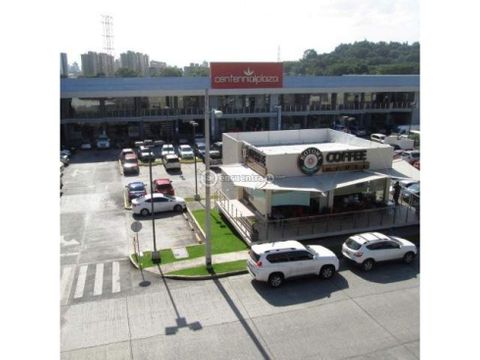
[{"x": 136, "y": 227}]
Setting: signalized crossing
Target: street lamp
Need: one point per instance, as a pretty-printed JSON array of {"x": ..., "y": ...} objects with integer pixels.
[
  {"x": 155, "y": 254},
  {"x": 214, "y": 113},
  {"x": 196, "y": 197}
]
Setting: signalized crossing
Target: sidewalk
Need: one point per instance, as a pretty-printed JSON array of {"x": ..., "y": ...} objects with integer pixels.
[{"x": 216, "y": 259}]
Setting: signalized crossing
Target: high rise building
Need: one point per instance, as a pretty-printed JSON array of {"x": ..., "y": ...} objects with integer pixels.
[
  {"x": 63, "y": 65},
  {"x": 196, "y": 69},
  {"x": 94, "y": 64},
  {"x": 135, "y": 61}
]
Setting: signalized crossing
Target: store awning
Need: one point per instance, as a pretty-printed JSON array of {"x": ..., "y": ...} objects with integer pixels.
[
  {"x": 243, "y": 176},
  {"x": 400, "y": 170}
]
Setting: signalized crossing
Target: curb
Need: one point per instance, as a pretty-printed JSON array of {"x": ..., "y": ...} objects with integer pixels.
[
  {"x": 205, "y": 277},
  {"x": 196, "y": 227}
]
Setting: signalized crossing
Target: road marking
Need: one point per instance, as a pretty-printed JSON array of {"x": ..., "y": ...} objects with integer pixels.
[
  {"x": 82, "y": 276},
  {"x": 115, "y": 277},
  {"x": 97, "y": 290},
  {"x": 66, "y": 284}
]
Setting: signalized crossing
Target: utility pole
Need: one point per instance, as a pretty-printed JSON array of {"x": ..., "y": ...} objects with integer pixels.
[{"x": 208, "y": 245}]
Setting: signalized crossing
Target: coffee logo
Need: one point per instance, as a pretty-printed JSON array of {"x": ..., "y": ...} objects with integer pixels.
[{"x": 310, "y": 161}]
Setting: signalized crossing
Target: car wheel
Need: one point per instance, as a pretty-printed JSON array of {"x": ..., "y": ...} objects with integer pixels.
[
  {"x": 144, "y": 212},
  {"x": 408, "y": 257},
  {"x": 178, "y": 208},
  {"x": 367, "y": 265},
  {"x": 327, "y": 271},
  {"x": 275, "y": 280}
]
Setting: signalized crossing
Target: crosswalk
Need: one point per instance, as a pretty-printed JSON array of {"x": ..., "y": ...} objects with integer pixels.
[{"x": 92, "y": 280}]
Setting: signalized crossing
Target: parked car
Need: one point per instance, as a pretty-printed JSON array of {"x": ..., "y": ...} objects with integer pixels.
[
  {"x": 218, "y": 146},
  {"x": 404, "y": 184},
  {"x": 411, "y": 156},
  {"x": 367, "y": 249},
  {"x": 358, "y": 130},
  {"x": 146, "y": 154},
  {"x": 136, "y": 189},
  {"x": 185, "y": 152},
  {"x": 200, "y": 149},
  {"x": 411, "y": 194},
  {"x": 148, "y": 142},
  {"x": 378, "y": 138},
  {"x": 142, "y": 205},
  {"x": 137, "y": 144},
  {"x": 103, "y": 142},
  {"x": 64, "y": 159},
  {"x": 167, "y": 149},
  {"x": 281, "y": 260},
  {"x": 215, "y": 158},
  {"x": 124, "y": 152},
  {"x": 130, "y": 164},
  {"x": 86, "y": 146},
  {"x": 66, "y": 152},
  {"x": 171, "y": 162},
  {"x": 163, "y": 186}
]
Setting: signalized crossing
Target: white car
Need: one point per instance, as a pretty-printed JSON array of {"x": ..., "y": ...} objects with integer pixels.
[
  {"x": 168, "y": 149},
  {"x": 143, "y": 205},
  {"x": 369, "y": 248},
  {"x": 277, "y": 261},
  {"x": 185, "y": 152},
  {"x": 103, "y": 142},
  {"x": 411, "y": 156},
  {"x": 380, "y": 138},
  {"x": 171, "y": 162}
]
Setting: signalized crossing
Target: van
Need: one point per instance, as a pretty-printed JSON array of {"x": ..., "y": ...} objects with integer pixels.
[{"x": 380, "y": 138}]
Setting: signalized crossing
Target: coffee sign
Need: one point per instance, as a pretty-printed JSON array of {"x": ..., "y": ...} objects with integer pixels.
[{"x": 312, "y": 159}]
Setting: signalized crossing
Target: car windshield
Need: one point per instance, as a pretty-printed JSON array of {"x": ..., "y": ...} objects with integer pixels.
[
  {"x": 136, "y": 186},
  {"x": 201, "y": 147},
  {"x": 164, "y": 186},
  {"x": 131, "y": 161},
  {"x": 168, "y": 148},
  {"x": 172, "y": 160},
  {"x": 169, "y": 197},
  {"x": 352, "y": 244}
]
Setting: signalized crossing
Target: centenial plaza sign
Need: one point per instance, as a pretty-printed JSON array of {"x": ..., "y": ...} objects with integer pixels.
[
  {"x": 311, "y": 160},
  {"x": 246, "y": 75}
]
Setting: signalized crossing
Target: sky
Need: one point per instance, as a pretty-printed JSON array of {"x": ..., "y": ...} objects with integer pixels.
[{"x": 180, "y": 32}]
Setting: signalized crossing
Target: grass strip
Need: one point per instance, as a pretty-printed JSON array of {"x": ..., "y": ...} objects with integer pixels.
[
  {"x": 217, "y": 269},
  {"x": 224, "y": 237}
]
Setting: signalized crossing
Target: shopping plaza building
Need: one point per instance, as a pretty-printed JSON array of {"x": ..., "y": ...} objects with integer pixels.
[{"x": 251, "y": 96}]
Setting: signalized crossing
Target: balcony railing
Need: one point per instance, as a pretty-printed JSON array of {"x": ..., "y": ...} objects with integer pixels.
[{"x": 246, "y": 110}]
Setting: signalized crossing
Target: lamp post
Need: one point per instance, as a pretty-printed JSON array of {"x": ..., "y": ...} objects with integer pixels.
[
  {"x": 213, "y": 113},
  {"x": 155, "y": 254},
  {"x": 196, "y": 197}
]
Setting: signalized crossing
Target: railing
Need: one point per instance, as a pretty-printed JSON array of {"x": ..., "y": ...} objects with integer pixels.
[
  {"x": 245, "y": 110},
  {"x": 243, "y": 225}
]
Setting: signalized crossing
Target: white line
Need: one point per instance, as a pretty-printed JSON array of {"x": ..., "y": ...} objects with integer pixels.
[
  {"x": 66, "y": 283},
  {"x": 115, "y": 277},
  {"x": 97, "y": 290},
  {"x": 82, "y": 276}
]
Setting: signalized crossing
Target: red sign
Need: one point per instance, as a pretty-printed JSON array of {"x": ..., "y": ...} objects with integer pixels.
[{"x": 246, "y": 75}]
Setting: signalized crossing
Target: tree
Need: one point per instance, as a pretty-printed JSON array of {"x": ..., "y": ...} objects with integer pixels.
[{"x": 124, "y": 72}]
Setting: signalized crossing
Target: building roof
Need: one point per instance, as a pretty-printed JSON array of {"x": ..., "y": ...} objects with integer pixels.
[{"x": 161, "y": 86}]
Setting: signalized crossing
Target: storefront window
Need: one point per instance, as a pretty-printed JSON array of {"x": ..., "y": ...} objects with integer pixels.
[
  {"x": 360, "y": 196},
  {"x": 119, "y": 104},
  {"x": 84, "y": 105}
]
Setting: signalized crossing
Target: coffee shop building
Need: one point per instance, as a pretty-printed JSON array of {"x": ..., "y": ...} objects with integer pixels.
[{"x": 308, "y": 183}]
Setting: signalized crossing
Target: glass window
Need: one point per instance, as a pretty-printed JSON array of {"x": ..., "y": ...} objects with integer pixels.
[
  {"x": 300, "y": 256},
  {"x": 160, "y": 200},
  {"x": 255, "y": 257},
  {"x": 352, "y": 244},
  {"x": 278, "y": 258}
]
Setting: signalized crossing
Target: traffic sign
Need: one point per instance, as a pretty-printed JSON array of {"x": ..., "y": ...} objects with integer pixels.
[{"x": 136, "y": 226}]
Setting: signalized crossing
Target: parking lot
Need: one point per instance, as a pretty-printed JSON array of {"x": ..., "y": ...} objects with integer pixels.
[{"x": 94, "y": 223}]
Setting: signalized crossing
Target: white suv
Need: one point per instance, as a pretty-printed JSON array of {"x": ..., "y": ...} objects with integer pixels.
[
  {"x": 277, "y": 261},
  {"x": 369, "y": 248}
]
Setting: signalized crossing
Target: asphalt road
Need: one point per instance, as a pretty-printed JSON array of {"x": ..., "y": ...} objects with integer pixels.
[{"x": 354, "y": 315}]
